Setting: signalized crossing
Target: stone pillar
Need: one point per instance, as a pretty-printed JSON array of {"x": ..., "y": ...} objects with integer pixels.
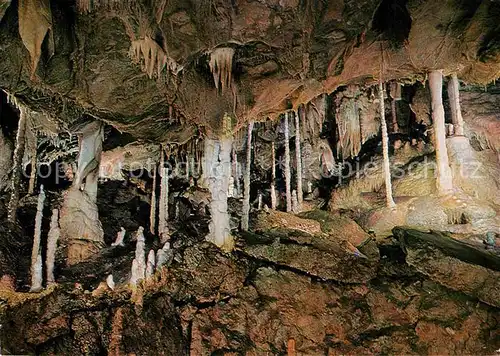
[
  {"x": 456, "y": 111},
  {"x": 444, "y": 178}
]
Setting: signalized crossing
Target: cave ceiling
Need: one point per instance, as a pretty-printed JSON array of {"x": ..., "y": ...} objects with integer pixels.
[{"x": 284, "y": 53}]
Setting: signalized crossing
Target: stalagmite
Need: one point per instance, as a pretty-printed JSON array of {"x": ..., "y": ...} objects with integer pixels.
[
  {"x": 246, "y": 180},
  {"x": 163, "y": 204},
  {"x": 36, "y": 252},
  {"x": 273, "y": 176},
  {"x": 295, "y": 202},
  {"x": 298, "y": 158},
  {"x": 385, "y": 148},
  {"x": 110, "y": 282},
  {"x": 287, "y": 167},
  {"x": 17, "y": 165},
  {"x": 234, "y": 172},
  {"x": 152, "y": 213},
  {"x": 259, "y": 202},
  {"x": 150, "y": 267},
  {"x": 218, "y": 164},
  {"x": 456, "y": 111},
  {"x": 139, "y": 262},
  {"x": 444, "y": 178},
  {"x": 81, "y": 229},
  {"x": 52, "y": 239},
  {"x": 120, "y": 236},
  {"x": 164, "y": 256}
]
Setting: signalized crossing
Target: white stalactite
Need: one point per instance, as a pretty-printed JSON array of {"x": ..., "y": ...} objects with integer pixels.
[
  {"x": 218, "y": 170},
  {"x": 152, "y": 213},
  {"x": 246, "y": 180},
  {"x": 163, "y": 230},
  {"x": 456, "y": 111},
  {"x": 444, "y": 177},
  {"x": 36, "y": 252},
  {"x": 120, "y": 236},
  {"x": 288, "y": 186},
  {"x": 150, "y": 267},
  {"x": 298, "y": 158},
  {"x": 385, "y": 148},
  {"x": 259, "y": 202},
  {"x": 273, "y": 176},
  {"x": 52, "y": 240},
  {"x": 234, "y": 172},
  {"x": 34, "y": 168},
  {"x": 395, "y": 90},
  {"x": 295, "y": 202},
  {"x": 17, "y": 164}
]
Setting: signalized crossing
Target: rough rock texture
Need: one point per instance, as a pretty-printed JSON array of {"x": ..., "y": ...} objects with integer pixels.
[
  {"x": 454, "y": 264},
  {"x": 208, "y": 302},
  {"x": 285, "y": 52}
]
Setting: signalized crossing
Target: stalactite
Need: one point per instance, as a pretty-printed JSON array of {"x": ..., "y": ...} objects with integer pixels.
[
  {"x": 218, "y": 165},
  {"x": 288, "y": 186},
  {"x": 152, "y": 212},
  {"x": 349, "y": 129},
  {"x": 149, "y": 55},
  {"x": 385, "y": 149},
  {"x": 32, "y": 144},
  {"x": 17, "y": 164},
  {"x": 150, "y": 267},
  {"x": 298, "y": 158},
  {"x": 246, "y": 180},
  {"x": 35, "y": 21},
  {"x": 273, "y": 176},
  {"x": 120, "y": 236},
  {"x": 259, "y": 201},
  {"x": 163, "y": 230},
  {"x": 52, "y": 240},
  {"x": 221, "y": 66},
  {"x": 444, "y": 177},
  {"x": 395, "y": 91},
  {"x": 295, "y": 202},
  {"x": 36, "y": 252},
  {"x": 456, "y": 111}
]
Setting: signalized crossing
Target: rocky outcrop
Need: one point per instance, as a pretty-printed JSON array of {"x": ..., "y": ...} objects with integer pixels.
[{"x": 454, "y": 264}]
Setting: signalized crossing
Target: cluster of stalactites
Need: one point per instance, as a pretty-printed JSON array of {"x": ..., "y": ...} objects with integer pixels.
[
  {"x": 221, "y": 65},
  {"x": 149, "y": 55},
  {"x": 349, "y": 129},
  {"x": 312, "y": 116}
]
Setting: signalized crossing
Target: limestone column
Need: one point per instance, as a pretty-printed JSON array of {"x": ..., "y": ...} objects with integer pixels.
[
  {"x": 385, "y": 149},
  {"x": 288, "y": 186},
  {"x": 444, "y": 178},
  {"x": 456, "y": 111}
]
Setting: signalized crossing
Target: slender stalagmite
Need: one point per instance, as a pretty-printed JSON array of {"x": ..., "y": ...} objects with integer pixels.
[
  {"x": 287, "y": 167},
  {"x": 234, "y": 172},
  {"x": 444, "y": 178},
  {"x": 246, "y": 180},
  {"x": 163, "y": 209},
  {"x": 456, "y": 111},
  {"x": 36, "y": 252},
  {"x": 52, "y": 239},
  {"x": 385, "y": 148},
  {"x": 273, "y": 177},
  {"x": 17, "y": 165},
  {"x": 152, "y": 213},
  {"x": 298, "y": 158}
]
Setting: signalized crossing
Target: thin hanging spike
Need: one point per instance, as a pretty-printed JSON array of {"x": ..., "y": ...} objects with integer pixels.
[
  {"x": 298, "y": 158},
  {"x": 34, "y": 167},
  {"x": 273, "y": 176},
  {"x": 17, "y": 164},
  {"x": 246, "y": 180},
  {"x": 163, "y": 205},
  {"x": 287, "y": 167}
]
